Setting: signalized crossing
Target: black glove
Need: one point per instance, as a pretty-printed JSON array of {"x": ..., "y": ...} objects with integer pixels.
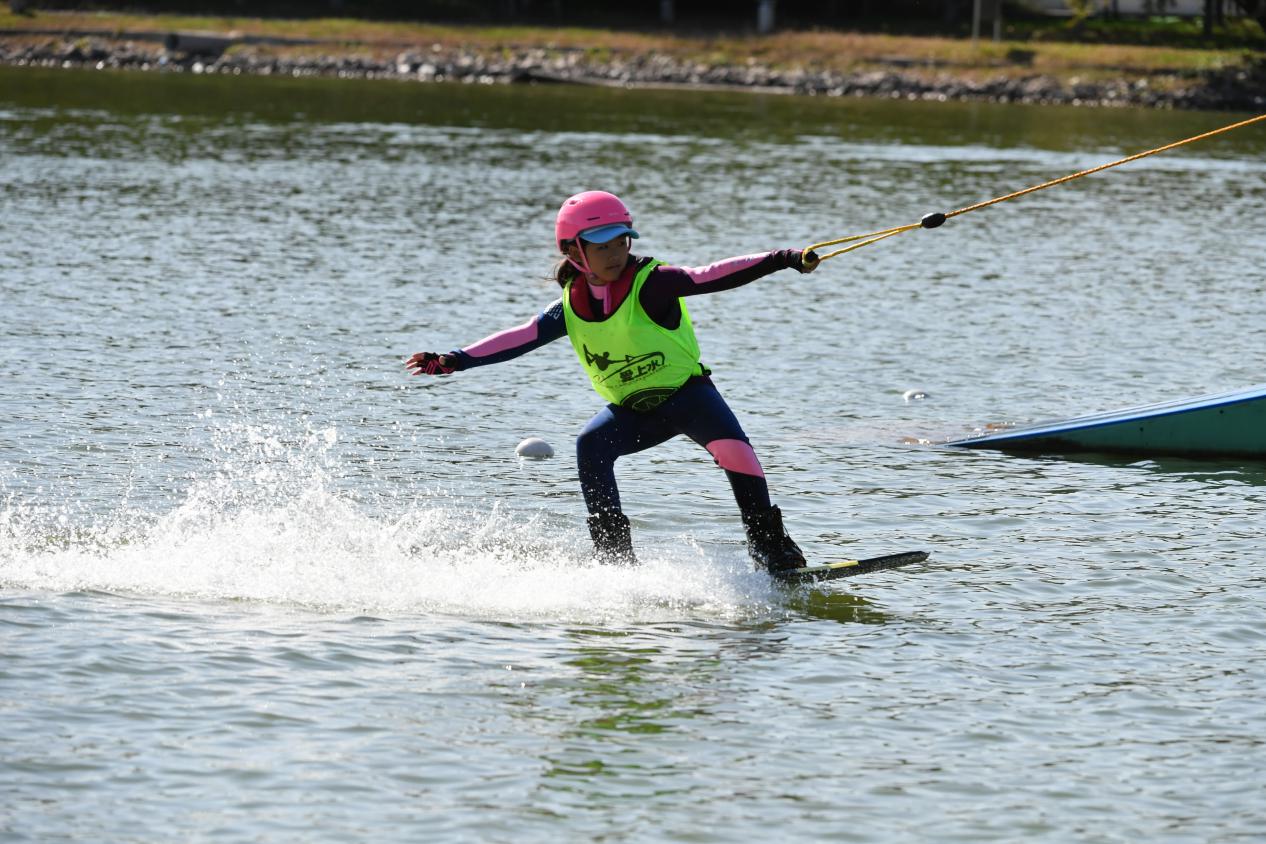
[
  {"x": 430, "y": 363},
  {"x": 799, "y": 260},
  {"x": 806, "y": 262}
]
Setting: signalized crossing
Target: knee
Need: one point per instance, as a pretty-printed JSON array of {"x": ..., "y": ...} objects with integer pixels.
[
  {"x": 592, "y": 447},
  {"x": 735, "y": 456}
]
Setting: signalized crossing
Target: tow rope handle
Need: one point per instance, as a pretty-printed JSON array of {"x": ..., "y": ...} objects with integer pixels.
[{"x": 936, "y": 219}]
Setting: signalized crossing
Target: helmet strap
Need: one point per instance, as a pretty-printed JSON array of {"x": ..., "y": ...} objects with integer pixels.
[{"x": 583, "y": 264}]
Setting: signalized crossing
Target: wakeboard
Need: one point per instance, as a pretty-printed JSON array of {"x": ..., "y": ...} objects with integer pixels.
[{"x": 848, "y": 568}]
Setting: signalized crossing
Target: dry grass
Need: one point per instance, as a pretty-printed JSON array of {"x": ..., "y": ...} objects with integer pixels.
[{"x": 841, "y": 51}]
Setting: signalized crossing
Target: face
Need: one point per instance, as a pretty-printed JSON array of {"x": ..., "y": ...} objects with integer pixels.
[{"x": 606, "y": 260}]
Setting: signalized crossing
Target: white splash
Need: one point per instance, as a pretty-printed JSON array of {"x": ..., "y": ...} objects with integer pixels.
[{"x": 270, "y": 526}]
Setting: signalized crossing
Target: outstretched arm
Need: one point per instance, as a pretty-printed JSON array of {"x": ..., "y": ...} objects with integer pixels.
[
  {"x": 728, "y": 274},
  {"x": 543, "y": 328}
]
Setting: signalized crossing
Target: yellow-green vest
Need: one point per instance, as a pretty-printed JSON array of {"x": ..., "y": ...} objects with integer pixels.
[{"x": 632, "y": 360}]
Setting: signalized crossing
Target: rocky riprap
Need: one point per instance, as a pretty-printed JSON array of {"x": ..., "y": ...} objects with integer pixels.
[{"x": 1241, "y": 88}]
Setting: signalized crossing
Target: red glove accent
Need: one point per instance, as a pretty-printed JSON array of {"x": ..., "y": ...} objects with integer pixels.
[{"x": 429, "y": 363}]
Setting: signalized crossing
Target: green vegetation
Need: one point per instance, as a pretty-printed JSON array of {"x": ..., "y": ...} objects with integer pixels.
[
  {"x": 1174, "y": 32},
  {"x": 1031, "y": 47}
]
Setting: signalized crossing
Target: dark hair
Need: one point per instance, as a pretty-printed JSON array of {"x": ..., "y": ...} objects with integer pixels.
[{"x": 564, "y": 270}]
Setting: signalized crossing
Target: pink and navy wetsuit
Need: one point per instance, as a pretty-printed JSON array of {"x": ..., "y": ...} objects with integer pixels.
[{"x": 696, "y": 409}]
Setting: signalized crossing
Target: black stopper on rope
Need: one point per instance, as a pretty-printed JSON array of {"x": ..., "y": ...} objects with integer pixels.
[{"x": 931, "y": 221}]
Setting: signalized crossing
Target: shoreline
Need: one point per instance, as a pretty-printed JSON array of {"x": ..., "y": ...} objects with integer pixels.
[{"x": 1238, "y": 88}]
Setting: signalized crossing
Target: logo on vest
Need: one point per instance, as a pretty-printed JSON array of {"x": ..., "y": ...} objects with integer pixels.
[
  {"x": 645, "y": 400},
  {"x": 628, "y": 369}
]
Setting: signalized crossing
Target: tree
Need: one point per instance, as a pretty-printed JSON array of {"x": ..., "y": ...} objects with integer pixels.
[
  {"x": 1255, "y": 9},
  {"x": 1081, "y": 9}
]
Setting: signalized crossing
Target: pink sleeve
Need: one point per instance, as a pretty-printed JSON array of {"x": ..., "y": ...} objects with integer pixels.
[
  {"x": 502, "y": 341},
  {"x": 721, "y": 269}
]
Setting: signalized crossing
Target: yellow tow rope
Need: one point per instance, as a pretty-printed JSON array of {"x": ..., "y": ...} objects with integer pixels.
[{"x": 931, "y": 221}]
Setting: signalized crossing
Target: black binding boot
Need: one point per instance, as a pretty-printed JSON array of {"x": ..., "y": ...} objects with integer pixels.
[
  {"x": 612, "y": 541},
  {"x": 768, "y": 542}
]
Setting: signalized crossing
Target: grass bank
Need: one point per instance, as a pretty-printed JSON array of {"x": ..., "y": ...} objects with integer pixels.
[
  {"x": 824, "y": 50},
  {"x": 1042, "y": 70}
]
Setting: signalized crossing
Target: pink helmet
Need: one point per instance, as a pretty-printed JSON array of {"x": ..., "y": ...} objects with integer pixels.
[{"x": 599, "y": 215}]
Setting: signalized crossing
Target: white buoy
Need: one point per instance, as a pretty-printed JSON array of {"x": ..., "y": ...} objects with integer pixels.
[
  {"x": 534, "y": 447},
  {"x": 915, "y": 395}
]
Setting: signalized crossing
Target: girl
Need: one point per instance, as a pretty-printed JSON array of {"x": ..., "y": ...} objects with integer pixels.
[{"x": 626, "y": 319}]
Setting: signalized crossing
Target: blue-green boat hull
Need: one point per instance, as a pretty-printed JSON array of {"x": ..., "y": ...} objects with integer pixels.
[{"x": 1225, "y": 424}]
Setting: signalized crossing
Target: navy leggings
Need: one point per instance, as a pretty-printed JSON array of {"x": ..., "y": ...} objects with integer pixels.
[{"x": 696, "y": 410}]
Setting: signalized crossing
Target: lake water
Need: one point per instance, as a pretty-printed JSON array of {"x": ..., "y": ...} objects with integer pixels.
[{"x": 258, "y": 585}]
